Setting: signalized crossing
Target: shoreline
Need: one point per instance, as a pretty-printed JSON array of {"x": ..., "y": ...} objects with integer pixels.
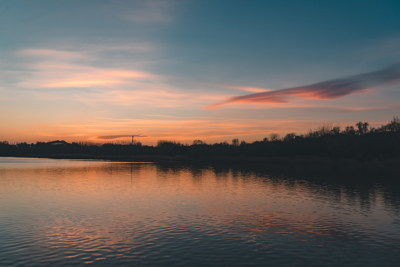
[{"x": 388, "y": 166}]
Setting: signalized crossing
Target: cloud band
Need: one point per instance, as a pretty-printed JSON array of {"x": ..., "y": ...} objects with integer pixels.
[{"x": 330, "y": 89}]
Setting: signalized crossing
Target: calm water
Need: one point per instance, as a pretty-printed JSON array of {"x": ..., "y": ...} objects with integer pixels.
[{"x": 64, "y": 212}]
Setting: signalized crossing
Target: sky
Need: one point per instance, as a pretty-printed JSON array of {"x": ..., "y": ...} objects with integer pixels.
[{"x": 94, "y": 70}]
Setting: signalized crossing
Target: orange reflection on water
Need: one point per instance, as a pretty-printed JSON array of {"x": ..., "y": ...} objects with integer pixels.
[{"x": 94, "y": 210}]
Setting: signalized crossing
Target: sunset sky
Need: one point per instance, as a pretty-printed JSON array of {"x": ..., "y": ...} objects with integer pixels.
[{"x": 183, "y": 70}]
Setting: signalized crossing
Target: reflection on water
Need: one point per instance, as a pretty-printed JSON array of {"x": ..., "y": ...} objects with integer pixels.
[{"x": 86, "y": 212}]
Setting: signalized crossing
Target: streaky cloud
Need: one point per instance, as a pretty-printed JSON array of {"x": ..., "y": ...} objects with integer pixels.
[
  {"x": 326, "y": 90},
  {"x": 110, "y": 137},
  {"x": 245, "y": 88}
]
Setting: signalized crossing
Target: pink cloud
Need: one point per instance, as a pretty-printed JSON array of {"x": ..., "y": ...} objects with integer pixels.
[
  {"x": 66, "y": 75},
  {"x": 245, "y": 88},
  {"x": 326, "y": 90}
]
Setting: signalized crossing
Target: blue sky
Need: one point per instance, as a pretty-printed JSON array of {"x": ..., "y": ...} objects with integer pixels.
[{"x": 76, "y": 70}]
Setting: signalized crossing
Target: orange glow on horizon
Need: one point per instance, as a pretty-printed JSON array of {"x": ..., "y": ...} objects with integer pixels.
[{"x": 183, "y": 131}]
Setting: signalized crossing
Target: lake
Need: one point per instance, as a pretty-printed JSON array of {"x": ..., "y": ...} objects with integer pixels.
[{"x": 74, "y": 212}]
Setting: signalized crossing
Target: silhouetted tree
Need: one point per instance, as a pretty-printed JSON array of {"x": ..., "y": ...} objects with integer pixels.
[
  {"x": 394, "y": 125},
  {"x": 350, "y": 130},
  {"x": 327, "y": 141},
  {"x": 289, "y": 137},
  {"x": 362, "y": 127},
  {"x": 336, "y": 130},
  {"x": 274, "y": 137},
  {"x": 198, "y": 142}
]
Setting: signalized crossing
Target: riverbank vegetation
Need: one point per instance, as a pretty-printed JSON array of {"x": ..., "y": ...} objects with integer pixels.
[{"x": 360, "y": 142}]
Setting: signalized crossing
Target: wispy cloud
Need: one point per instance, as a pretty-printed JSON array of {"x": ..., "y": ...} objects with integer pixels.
[
  {"x": 110, "y": 137},
  {"x": 46, "y": 54},
  {"x": 73, "y": 74},
  {"x": 66, "y": 69},
  {"x": 245, "y": 88},
  {"x": 326, "y": 90},
  {"x": 79, "y": 76},
  {"x": 152, "y": 11}
]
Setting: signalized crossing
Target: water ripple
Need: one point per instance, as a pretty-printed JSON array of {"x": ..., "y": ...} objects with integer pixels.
[{"x": 63, "y": 215}]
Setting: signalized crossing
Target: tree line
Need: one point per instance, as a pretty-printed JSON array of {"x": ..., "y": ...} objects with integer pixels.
[{"x": 357, "y": 142}]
